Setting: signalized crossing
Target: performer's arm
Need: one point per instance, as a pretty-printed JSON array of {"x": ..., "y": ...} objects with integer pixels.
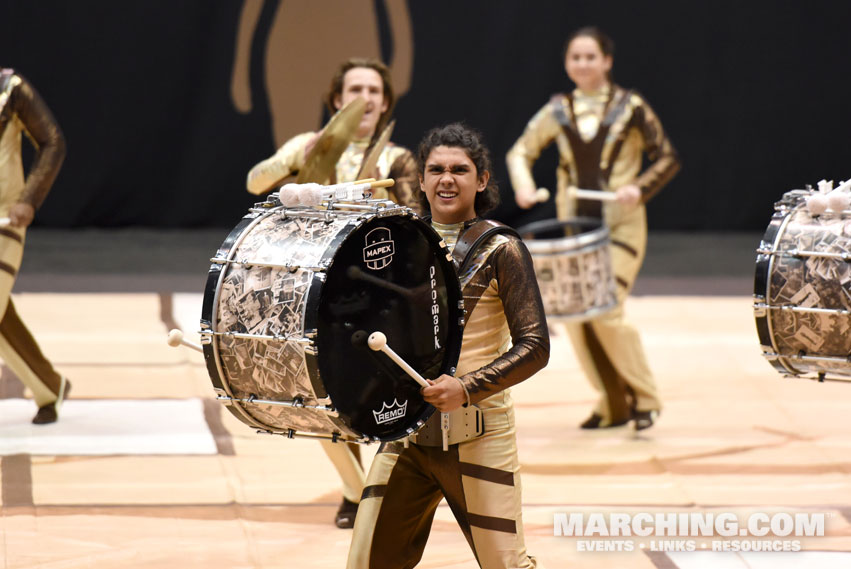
[
  {"x": 46, "y": 136},
  {"x": 660, "y": 151},
  {"x": 524, "y": 311},
  {"x": 538, "y": 134},
  {"x": 404, "y": 172},
  {"x": 286, "y": 161}
]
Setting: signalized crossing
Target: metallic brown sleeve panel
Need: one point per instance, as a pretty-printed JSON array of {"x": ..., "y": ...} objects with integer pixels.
[
  {"x": 47, "y": 138},
  {"x": 660, "y": 151},
  {"x": 511, "y": 265},
  {"x": 406, "y": 188}
]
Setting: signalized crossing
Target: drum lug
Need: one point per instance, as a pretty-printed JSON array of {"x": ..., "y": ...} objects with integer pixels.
[
  {"x": 310, "y": 349},
  {"x": 206, "y": 337},
  {"x": 222, "y": 396}
]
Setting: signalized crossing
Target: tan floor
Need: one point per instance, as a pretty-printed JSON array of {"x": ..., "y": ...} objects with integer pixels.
[{"x": 734, "y": 437}]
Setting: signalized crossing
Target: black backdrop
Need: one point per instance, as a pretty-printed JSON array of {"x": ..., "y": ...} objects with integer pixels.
[{"x": 754, "y": 95}]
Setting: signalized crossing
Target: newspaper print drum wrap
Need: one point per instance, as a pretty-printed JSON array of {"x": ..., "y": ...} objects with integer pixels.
[
  {"x": 802, "y": 290},
  {"x": 271, "y": 339},
  {"x": 574, "y": 271}
]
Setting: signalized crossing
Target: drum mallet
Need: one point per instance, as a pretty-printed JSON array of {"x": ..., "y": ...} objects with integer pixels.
[
  {"x": 377, "y": 341},
  {"x": 543, "y": 194},
  {"x": 175, "y": 338}
]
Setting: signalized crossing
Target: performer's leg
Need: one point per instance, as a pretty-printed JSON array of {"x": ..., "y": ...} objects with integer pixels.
[
  {"x": 396, "y": 510},
  {"x": 483, "y": 489},
  {"x": 348, "y": 467},
  {"x": 18, "y": 349},
  {"x": 620, "y": 339},
  {"x": 346, "y": 459}
]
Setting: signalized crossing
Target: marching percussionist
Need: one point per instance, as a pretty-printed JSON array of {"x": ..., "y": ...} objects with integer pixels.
[
  {"x": 23, "y": 111},
  {"x": 602, "y": 132},
  {"x": 349, "y": 148},
  {"x": 505, "y": 342},
  {"x": 367, "y": 155}
]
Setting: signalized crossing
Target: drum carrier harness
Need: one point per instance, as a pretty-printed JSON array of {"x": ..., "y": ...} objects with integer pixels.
[{"x": 466, "y": 423}]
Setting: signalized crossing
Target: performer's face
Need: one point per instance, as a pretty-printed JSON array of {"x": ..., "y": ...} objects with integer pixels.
[
  {"x": 450, "y": 183},
  {"x": 364, "y": 82},
  {"x": 586, "y": 65}
]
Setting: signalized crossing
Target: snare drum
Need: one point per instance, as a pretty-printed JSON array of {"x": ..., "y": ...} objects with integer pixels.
[
  {"x": 574, "y": 269},
  {"x": 802, "y": 290},
  {"x": 289, "y": 292}
]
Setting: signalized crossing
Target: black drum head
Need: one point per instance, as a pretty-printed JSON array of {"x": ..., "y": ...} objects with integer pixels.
[{"x": 389, "y": 275}]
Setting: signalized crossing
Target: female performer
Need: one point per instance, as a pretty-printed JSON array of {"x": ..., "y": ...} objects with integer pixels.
[{"x": 602, "y": 132}]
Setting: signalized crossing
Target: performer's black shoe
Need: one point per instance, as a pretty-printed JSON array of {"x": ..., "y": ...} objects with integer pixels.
[
  {"x": 50, "y": 413},
  {"x": 345, "y": 518},
  {"x": 595, "y": 421},
  {"x": 644, "y": 419}
]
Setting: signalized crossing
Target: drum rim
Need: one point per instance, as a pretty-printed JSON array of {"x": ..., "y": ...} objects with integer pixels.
[
  {"x": 597, "y": 236},
  {"x": 211, "y": 350},
  {"x": 782, "y": 360}
]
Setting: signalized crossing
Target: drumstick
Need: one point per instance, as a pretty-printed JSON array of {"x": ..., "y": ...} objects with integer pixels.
[
  {"x": 378, "y": 341},
  {"x": 175, "y": 338},
  {"x": 594, "y": 195}
]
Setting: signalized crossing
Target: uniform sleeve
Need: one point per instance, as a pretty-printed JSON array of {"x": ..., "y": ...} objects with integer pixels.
[
  {"x": 540, "y": 131},
  {"x": 288, "y": 160},
  {"x": 43, "y": 131},
  {"x": 524, "y": 311},
  {"x": 660, "y": 151},
  {"x": 404, "y": 172}
]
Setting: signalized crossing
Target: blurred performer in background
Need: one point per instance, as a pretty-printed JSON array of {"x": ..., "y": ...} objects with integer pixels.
[
  {"x": 369, "y": 154},
  {"x": 23, "y": 111},
  {"x": 602, "y": 132},
  {"x": 345, "y": 151},
  {"x": 505, "y": 342}
]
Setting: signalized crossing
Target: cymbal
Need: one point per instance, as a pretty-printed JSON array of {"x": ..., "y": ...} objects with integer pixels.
[
  {"x": 371, "y": 159},
  {"x": 322, "y": 159}
]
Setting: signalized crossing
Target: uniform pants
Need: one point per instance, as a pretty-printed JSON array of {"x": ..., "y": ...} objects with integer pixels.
[
  {"x": 18, "y": 349},
  {"x": 608, "y": 347},
  {"x": 481, "y": 483}
]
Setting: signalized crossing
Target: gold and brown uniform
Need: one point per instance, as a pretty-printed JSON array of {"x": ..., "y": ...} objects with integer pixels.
[
  {"x": 505, "y": 342},
  {"x": 601, "y": 138},
  {"x": 23, "y": 111},
  {"x": 395, "y": 162}
]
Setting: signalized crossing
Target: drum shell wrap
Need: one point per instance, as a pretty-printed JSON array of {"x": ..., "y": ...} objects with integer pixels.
[
  {"x": 802, "y": 290},
  {"x": 281, "y": 333},
  {"x": 574, "y": 271}
]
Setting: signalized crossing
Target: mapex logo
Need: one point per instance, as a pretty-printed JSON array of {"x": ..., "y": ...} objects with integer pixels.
[
  {"x": 391, "y": 412},
  {"x": 379, "y": 249}
]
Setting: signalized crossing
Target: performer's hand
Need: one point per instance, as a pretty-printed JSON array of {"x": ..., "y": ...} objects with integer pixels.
[
  {"x": 21, "y": 215},
  {"x": 445, "y": 393},
  {"x": 525, "y": 197},
  {"x": 628, "y": 195}
]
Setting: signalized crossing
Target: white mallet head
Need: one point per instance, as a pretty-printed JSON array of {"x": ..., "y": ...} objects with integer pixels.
[
  {"x": 376, "y": 341},
  {"x": 817, "y": 204},
  {"x": 175, "y": 337},
  {"x": 309, "y": 195},
  {"x": 838, "y": 200},
  {"x": 289, "y": 195},
  {"x": 542, "y": 195}
]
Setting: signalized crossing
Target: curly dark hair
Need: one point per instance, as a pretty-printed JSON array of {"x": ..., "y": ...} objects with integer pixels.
[
  {"x": 469, "y": 140},
  {"x": 336, "y": 88}
]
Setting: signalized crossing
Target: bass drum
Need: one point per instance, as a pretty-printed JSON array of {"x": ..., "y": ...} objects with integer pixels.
[
  {"x": 802, "y": 290},
  {"x": 291, "y": 295}
]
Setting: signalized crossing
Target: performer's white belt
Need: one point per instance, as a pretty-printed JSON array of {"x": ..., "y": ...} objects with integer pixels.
[{"x": 465, "y": 424}]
